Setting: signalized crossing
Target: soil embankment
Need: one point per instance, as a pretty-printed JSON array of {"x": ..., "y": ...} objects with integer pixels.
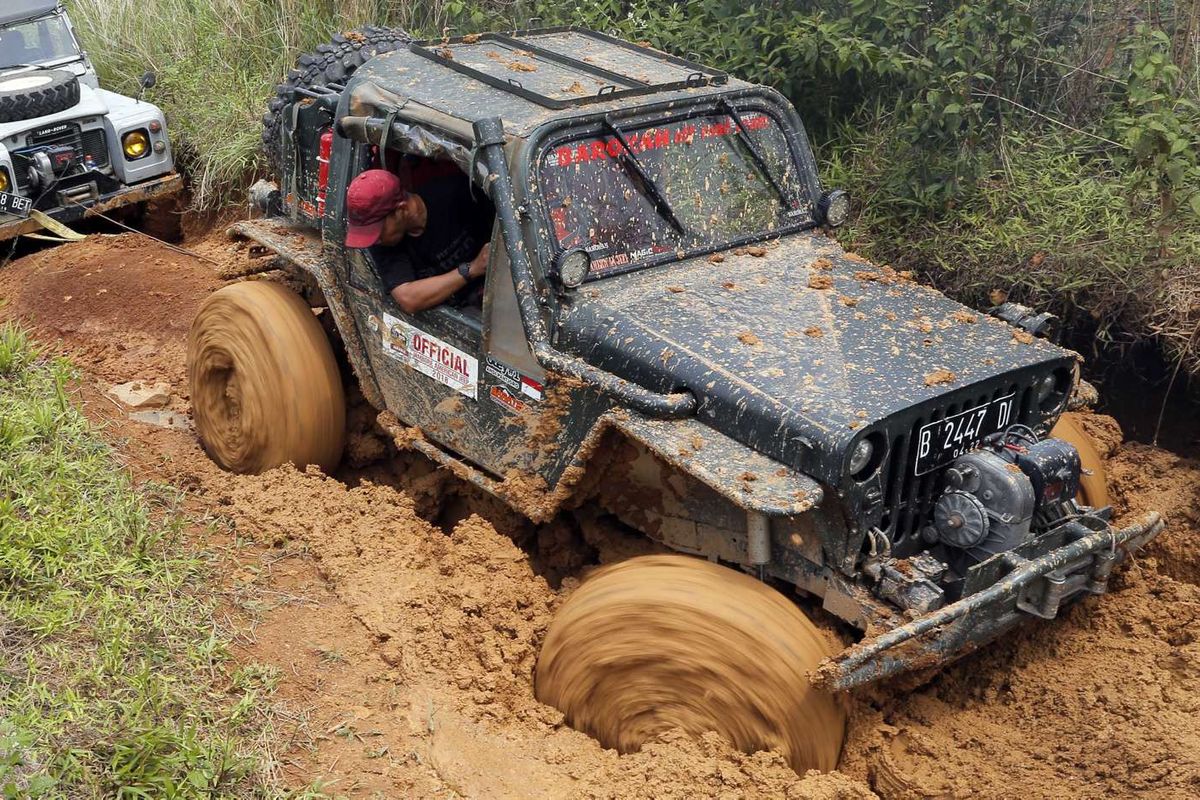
[{"x": 405, "y": 612}]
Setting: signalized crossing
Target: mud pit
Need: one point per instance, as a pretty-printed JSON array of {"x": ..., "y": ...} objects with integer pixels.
[{"x": 408, "y": 620}]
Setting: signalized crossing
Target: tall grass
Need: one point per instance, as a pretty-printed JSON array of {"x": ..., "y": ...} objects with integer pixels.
[
  {"x": 217, "y": 62},
  {"x": 109, "y": 659}
]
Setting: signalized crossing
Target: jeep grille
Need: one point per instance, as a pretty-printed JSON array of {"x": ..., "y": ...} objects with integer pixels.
[{"x": 909, "y": 497}]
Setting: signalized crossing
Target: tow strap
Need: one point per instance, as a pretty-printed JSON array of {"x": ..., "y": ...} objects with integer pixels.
[{"x": 62, "y": 232}]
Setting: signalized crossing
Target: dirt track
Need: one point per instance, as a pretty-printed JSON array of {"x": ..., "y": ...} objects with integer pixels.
[{"x": 405, "y": 611}]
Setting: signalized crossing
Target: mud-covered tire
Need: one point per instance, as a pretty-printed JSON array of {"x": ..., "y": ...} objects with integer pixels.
[
  {"x": 662, "y": 642},
  {"x": 28, "y": 95},
  {"x": 265, "y": 386},
  {"x": 334, "y": 62},
  {"x": 1093, "y": 483}
]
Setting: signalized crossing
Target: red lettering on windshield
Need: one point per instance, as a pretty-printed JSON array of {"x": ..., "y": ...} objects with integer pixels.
[{"x": 653, "y": 139}]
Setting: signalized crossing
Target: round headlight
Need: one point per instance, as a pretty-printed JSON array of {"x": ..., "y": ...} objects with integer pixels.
[
  {"x": 136, "y": 144},
  {"x": 573, "y": 266},
  {"x": 3, "y": 180},
  {"x": 861, "y": 457},
  {"x": 834, "y": 208}
]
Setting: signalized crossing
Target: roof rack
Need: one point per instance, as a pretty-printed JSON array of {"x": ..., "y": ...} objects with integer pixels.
[{"x": 560, "y": 54}]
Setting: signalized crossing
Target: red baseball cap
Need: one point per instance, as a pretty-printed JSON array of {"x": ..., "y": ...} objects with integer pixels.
[{"x": 372, "y": 195}]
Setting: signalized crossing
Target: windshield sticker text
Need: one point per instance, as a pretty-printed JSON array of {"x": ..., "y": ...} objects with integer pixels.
[{"x": 652, "y": 139}]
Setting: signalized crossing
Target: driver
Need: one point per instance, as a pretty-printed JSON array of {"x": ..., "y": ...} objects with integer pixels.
[{"x": 430, "y": 247}]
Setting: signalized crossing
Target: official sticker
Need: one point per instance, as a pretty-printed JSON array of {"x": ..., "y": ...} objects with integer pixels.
[
  {"x": 506, "y": 400},
  {"x": 430, "y": 356}
]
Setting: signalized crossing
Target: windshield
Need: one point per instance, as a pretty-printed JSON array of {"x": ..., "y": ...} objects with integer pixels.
[
  {"x": 35, "y": 42},
  {"x": 631, "y": 194}
]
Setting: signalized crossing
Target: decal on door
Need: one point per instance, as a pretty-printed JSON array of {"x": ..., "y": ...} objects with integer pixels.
[
  {"x": 514, "y": 380},
  {"x": 429, "y": 355}
]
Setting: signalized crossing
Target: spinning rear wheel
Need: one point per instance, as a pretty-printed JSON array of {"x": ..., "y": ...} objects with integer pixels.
[{"x": 264, "y": 382}]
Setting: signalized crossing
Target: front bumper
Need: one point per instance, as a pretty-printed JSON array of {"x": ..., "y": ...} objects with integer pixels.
[
  {"x": 109, "y": 199},
  {"x": 1077, "y": 563}
]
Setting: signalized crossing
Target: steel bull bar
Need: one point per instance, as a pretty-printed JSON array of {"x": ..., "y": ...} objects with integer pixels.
[{"x": 1031, "y": 587}]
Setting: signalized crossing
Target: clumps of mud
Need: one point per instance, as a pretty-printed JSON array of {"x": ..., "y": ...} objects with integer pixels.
[{"x": 458, "y": 620}]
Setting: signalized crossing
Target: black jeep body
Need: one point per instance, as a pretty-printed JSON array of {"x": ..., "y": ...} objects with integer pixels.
[{"x": 738, "y": 389}]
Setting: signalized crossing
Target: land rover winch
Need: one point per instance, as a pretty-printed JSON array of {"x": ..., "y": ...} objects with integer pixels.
[{"x": 667, "y": 333}]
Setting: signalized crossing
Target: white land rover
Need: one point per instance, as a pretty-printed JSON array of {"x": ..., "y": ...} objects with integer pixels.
[{"x": 67, "y": 147}]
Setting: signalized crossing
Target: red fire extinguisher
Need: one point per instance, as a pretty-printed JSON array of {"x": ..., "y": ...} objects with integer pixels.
[{"x": 323, "y": 170}]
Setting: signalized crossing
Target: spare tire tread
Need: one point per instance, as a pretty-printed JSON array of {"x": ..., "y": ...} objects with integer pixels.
[
  {"x": 332, "y": 62},
  {"x": 61, "y": 93}
]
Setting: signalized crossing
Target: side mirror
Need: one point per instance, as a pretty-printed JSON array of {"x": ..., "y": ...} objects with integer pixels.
[{"x": 148, "y": 81}]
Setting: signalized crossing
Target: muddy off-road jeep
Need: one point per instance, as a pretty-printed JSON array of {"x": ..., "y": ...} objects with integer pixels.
[
  {"x": 68, "y": 148},
  {"x": 668, "y": 333}
]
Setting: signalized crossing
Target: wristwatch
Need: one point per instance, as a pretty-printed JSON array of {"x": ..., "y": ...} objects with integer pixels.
[{"x": 464, "y": 269}]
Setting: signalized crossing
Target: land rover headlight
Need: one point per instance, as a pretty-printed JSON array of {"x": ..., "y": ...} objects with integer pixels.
[
  {"x": 572, "y": 267},
  {"x": 4, "y": 180},
  {"x": 136, "y": 144},
  {"x": 861, "y": 457}
]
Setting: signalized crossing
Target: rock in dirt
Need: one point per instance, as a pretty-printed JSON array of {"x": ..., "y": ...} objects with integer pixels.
[
  {"x": 139, "y": 395},
  {"x": 163, "y": 419}
]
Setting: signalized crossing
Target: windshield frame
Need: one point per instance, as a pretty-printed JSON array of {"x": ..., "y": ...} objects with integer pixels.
[
  {"x": 63, "y": 60},
  {"x": 748, "y": 100}
]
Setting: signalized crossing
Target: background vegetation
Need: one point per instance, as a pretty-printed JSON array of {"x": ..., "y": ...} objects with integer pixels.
[
  {"x": 1045, "y": 149},
  {"x": 111, "y": 668}
]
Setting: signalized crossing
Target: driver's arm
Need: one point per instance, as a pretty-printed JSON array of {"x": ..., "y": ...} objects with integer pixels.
[{"x": 424, "y": 293}]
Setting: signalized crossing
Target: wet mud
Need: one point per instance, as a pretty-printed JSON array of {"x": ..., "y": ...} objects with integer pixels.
[{"x": 415, "y": 608}]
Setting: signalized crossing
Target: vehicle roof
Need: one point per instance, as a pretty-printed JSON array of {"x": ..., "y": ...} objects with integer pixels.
[
  {"x": 17, "y": 10},
  {"x": 530, "y": 77}
]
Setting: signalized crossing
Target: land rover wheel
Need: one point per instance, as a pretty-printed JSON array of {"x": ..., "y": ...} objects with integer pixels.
[
  {"x": 264, "y": 382},
  {"x": 663, "y": 642},
  {"x": 38, "y": 93}
]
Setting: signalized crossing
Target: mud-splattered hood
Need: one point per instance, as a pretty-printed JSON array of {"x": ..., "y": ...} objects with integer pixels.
[{"x": 798, "y": 351}]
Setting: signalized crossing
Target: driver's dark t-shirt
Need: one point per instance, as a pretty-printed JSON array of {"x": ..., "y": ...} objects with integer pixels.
[{"x": 457, "y": 226}]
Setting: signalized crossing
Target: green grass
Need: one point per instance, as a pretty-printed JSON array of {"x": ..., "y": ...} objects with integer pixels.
[
  {"x": 1057, "y": 228},
  {"x": 112, "y": 672},
  {"x": 217, "y": 63}
]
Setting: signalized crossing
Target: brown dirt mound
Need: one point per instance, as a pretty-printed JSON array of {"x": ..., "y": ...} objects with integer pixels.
[
  {"x": 120, "y": 306},
  {"x": 423, "y": 678}
]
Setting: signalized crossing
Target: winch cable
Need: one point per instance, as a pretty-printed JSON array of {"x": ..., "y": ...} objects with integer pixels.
[{"x": 168, "y": 245}]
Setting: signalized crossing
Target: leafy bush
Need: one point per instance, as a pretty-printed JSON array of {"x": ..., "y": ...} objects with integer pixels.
[{"x": 978, "y": 138}]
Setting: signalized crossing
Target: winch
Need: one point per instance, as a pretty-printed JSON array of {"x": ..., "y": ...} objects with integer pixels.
[{"x": 993, "y": 495}]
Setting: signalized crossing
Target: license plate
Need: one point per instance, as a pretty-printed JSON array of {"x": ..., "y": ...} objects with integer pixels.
[
  {"x": 939, "y": 443},
  {"x": 15, "y": 204}
]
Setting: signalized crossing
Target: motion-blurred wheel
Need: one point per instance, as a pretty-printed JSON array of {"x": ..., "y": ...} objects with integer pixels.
[
  {"x": 264, "y": 382},
  {"x": 663, "y": 642}
]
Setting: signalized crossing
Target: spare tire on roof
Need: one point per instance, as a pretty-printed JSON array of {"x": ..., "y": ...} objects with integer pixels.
[
  {"x": 334, "y": 62},
  {"x": 37, "y": 93}
]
